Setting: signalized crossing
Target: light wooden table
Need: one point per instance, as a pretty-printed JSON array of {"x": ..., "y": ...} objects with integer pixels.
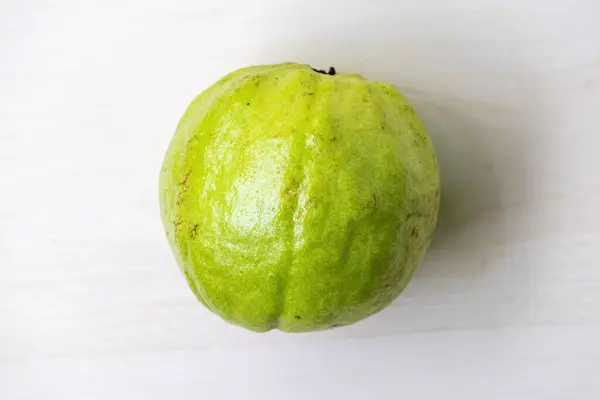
[{"x": 506, "y": 304}]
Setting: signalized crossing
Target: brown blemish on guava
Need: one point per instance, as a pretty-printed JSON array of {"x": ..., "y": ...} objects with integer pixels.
[
  {"x": 183, "y": 182},
  {"x": 412, "y": 215},
  {"x": 408, "y": 108},
  {"x": 194, "y": 231},
  {"x": 184, "y": 186}
]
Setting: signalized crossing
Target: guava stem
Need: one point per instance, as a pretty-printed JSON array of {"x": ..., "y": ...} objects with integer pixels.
[{"x": 322, "y": 71}]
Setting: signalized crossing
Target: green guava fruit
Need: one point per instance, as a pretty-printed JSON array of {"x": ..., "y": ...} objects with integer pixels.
[{"x": 298, "y": 199}]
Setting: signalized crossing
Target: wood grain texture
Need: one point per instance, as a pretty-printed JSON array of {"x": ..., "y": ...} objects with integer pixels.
[{"x": 506, "y": 303}]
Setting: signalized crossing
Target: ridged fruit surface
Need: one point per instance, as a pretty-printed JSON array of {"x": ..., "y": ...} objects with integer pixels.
[{"x": 298, "y": 200}]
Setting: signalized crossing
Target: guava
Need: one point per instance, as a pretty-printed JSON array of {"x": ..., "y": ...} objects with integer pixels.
[{"x": 298, "y": 199}]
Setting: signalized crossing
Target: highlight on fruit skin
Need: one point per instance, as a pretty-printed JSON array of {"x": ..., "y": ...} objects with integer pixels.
[{"x": 298, "y": 199}]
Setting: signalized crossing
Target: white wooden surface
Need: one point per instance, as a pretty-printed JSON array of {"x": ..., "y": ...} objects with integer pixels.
[{"x": 506, "y": 304}]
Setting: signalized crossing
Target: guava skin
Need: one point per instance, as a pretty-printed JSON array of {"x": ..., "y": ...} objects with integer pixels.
[{"x": 298, "y": 200}]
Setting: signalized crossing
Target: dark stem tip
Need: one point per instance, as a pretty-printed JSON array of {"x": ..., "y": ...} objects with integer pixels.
[{"x": 322, "y": 71}]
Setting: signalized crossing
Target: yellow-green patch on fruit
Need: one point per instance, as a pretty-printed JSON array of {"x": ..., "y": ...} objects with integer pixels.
[{"x": 297, "y": 199}]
